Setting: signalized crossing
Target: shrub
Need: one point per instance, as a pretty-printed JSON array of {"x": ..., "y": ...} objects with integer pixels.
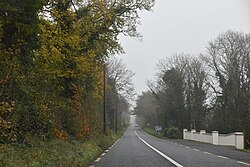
[
  {"x": 7, "y": 134},
  {"x": 172, "y": 133}
]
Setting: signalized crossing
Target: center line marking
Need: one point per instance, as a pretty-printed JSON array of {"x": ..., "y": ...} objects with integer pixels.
[
  {"x": 207, "y": 152},
  {"x": 244, "y": 163},
  {"x": 159, "y": 152},
  {"x": 222, "y": 157},
  {"x": 196, "y": 149}
]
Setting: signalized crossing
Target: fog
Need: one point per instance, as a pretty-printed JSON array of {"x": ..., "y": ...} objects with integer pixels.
[{"x": 180, "y": 26}]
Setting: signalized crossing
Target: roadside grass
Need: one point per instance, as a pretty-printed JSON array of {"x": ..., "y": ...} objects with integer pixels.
[
  {"x": 246, "y": 150},
  {"x": 154, "y": 133},
  {"x": 71, "y": 153}
]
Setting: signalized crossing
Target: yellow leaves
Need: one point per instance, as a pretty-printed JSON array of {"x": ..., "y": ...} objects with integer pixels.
[
  {"x": 44, "y": 107},
  {"x": 59, "y": 49},
  {"x": 84, "y": 131},
  {"x": 84, "y": 64},
  {"x": 61, "y": 134},
  {"x": 4, "y": 124},
  {"x": 91, "y": 53}
]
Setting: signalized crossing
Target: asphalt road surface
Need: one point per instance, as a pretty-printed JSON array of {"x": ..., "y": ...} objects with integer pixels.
[{"x": 139, "y": 149}]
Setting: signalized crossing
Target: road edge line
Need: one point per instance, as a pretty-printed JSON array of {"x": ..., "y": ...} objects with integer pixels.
[
  {"x": 159, "y": 152},
  {"x": 107, "y": 150},
  {"x": 119, "y": 138},
  {"x": 244, "y": 163}
]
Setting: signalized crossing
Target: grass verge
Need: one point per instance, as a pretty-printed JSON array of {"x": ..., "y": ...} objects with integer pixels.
[
  {"x": 154, "y": 133},
  {"x": 246, "y": 150},
  {"x": 70, "y": 153}
]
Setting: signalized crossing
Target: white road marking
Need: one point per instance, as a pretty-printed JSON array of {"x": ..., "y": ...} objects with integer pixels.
[
  {"x": 207, "y": 153},
  {"x": 181, "y": 145},
  {"x": 187, "y": 147},
  {"x": 244, "y": 163},
  {"x": 92, "y": 166},
  {"x": 222, "y": 157},
  {"x": 159, "y": 152},
  {"x": 98, "y": 159},
  {"x": 116, "y": 142},
  {"x": 196, "y": 149}
]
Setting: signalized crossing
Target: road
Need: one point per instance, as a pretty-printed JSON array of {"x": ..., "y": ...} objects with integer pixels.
[{"x": 139, "y": 149}]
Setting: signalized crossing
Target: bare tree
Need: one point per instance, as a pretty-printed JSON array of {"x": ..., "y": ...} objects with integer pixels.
[
  {"x": 196, "y": 92},
  {"x": 181, "y": 91},
  {"x": 228, "y": 60},
  {"x": 147, "y": 109},
  {"x": 120, "y": 79}
]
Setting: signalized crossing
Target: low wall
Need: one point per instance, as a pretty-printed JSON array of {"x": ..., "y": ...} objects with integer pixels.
[
  {"x": 227, "y": 140},
  {"x": 234, "y": 139},
  {"x": 207, "y": 138},
  {"x": 188, "y": 135},
  {"x": 197, "y": 136}
]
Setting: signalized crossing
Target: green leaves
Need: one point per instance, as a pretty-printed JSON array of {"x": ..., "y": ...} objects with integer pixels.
[{"x": 52, "y": 57}]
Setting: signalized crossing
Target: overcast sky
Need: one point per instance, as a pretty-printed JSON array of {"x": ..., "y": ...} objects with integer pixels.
[{"x": 180, "y": 26}]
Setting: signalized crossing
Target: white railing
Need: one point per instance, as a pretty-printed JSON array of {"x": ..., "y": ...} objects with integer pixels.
[{"x": 234, "y": 139}]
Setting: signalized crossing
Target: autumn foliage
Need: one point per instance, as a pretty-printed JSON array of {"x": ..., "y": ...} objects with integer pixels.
[{"x": 52, "y": 55}]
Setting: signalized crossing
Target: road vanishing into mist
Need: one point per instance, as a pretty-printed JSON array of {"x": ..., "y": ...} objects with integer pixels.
[{"x": 139, "y": 149}]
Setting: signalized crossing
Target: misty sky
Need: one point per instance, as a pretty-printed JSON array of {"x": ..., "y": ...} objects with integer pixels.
[{"x": 180, "y": 26}]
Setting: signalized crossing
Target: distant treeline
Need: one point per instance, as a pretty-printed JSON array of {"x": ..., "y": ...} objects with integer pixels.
[{"x": 210, "y": 91}]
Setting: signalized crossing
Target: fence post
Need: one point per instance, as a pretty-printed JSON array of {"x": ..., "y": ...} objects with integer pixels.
[
  {"x": 184, "y": 133},
  {"x": 239, "y": 140},
  {"x": 215, "y": 136}
]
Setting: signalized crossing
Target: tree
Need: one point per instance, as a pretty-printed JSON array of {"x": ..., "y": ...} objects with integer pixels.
[
  {"x": 121, "y": 77},
  {"x": 52, "y": 61},
  {"x": 146, "y": 109},
  {"x": 228, "y": 60},
  {"x": 181, "y": 92},
  {"x": 196, "y": 93},
  {"x": 120, "y": 81},
  {"x": 19, "y": 26},
  {"x": 210, "y": 91}
]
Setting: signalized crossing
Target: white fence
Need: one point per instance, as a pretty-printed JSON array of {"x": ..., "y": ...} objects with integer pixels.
[{"x": 234, "y": 139}]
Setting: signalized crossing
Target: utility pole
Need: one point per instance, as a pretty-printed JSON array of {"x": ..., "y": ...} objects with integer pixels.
[
  {"x": 116, "y": 114},
  {"x": 104, "y": 99}
]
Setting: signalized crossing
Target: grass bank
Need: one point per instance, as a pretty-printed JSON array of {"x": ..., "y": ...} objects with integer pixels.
[
  {"x": 246, "y": 150},
  {"x": 154, "y": 133},
  {"x": 72, "y": 153}
]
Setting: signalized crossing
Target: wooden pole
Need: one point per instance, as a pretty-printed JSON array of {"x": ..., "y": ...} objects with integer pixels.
[
  {"x": 104, "y": 99},
  {"x": 116, "y": 114}
]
